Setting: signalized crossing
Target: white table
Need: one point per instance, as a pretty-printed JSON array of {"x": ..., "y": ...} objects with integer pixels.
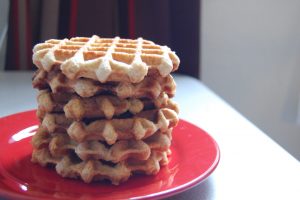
[{"x": 252, "y": 166}]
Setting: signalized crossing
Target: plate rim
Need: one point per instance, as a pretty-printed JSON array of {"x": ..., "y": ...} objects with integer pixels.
[{"x": 158, "y": 195}]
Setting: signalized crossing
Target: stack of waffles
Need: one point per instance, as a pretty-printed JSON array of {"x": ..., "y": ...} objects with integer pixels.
[{"x": 105, "y": 107}]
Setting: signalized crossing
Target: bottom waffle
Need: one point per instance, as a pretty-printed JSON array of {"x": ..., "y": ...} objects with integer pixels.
[{"x": 71, "y": 166}]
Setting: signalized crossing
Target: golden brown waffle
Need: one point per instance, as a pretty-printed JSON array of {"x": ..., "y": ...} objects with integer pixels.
[
  {"x": 150, "y": 87},
  {"x": 52, "y": 102},
  {"x": 60, "y": 144},
  {"x": 140, "y": 126},
  {"x": 105, "y": 59},
  {"x": 94, "y": 170},
  {"x": 55, "y": 122},
  {"x": 107, "y": 106}
]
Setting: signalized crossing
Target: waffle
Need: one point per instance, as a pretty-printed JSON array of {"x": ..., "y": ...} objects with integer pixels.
[
  {"x": 94, "y": 170},
  {"x": 51, "y": 102},
  {"x": 60, "y": 144},
  {"x": 107, "y": 106},
  {"x": 105, "y": 59},
  {"x": 140, "y": 126},
  {"x": 150, "y": 87},
  {"x": 104, "y": 106}
]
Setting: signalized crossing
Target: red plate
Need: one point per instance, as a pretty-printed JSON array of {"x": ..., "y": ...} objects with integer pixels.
[{"x": 194, "y": 157}]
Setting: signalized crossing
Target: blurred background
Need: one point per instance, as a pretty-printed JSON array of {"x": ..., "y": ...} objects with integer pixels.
[
  {"x": 165, "y": 22},
  {"x": 247, "y": 51}
]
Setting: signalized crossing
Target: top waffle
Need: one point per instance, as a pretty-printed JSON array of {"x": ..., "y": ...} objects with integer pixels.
[{"x": 105, "y": 59}]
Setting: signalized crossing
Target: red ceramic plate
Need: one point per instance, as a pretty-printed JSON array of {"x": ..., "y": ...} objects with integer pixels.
[{"x": 194, "y": 157}]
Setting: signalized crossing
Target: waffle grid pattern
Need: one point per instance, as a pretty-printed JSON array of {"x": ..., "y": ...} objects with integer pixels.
[{"x": 105, "y": 59}]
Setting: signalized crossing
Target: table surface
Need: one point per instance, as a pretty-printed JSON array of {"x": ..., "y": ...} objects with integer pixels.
[{"x": 252, "y": 166}]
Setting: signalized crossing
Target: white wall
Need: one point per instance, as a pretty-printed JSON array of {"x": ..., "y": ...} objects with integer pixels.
[{"x": 250, "y": 55}]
